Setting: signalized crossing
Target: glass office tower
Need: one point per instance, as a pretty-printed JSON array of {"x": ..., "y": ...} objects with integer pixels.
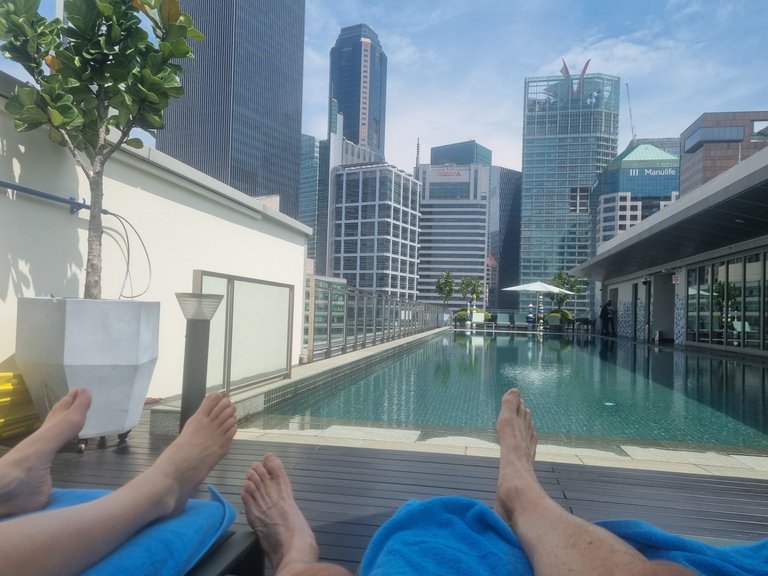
[
  {"x": 308, "y": 186},
  {"x": 637, "y": 183},
  {"x": 570, "y": 133},
  {"x": 239, "y": 120},
  {"x": 358, "y": 82}
]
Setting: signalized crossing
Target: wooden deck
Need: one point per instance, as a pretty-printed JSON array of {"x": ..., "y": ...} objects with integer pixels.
[{"x": 346, "y": 493}]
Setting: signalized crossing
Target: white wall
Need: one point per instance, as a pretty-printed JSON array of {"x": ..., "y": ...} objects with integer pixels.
[{"x": 187, "y": 221}]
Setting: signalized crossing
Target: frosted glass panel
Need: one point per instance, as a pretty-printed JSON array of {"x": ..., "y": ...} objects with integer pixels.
[
  {"x": 215, "y": 377},
  {"x": 260, "y": 325}
]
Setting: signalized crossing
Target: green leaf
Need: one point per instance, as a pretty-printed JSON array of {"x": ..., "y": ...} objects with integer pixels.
[
  {"x": 83, "y": 16},
  {"x": 55, "y": 136},
  {"x": 27, "y": 96},
  {"x": 134, "y": 143},
  {"x": 194, "y": 34},
  {"x": 55, "y": 118},
  {"x": 105, "y": 8}
]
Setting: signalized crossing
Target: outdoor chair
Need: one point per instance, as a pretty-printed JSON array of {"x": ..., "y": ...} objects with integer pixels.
[
  {"x": 238, "y": 552},
  {"x": 503, "y": 321},
  {"x": 585, "y": 324},
  {"x": 478, "y": 319},
  {"x": 553, "y": 322}
]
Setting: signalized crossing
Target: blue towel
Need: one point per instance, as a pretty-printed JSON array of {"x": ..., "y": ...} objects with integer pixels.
[
  {"x": 169, "y": 546},
  {"x": 456, "y": 535}
]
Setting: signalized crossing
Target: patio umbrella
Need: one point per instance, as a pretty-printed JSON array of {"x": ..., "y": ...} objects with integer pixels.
[{"x": 538, "y": 287}]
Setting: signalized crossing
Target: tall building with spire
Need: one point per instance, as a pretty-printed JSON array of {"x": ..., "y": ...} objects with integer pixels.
[
  {"x": 358, "y": 83},
  {"x": 570, "y": 133},
  {"x": 239, "y": 120}
]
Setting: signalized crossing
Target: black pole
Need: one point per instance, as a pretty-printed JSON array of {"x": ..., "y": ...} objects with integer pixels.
[{"x": 193, "y": 385}]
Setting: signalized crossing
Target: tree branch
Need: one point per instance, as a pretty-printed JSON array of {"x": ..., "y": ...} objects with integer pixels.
[{"x": 75, "y": 154}]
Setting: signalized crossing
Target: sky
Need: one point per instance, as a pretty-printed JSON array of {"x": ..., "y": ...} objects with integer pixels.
[{"x": 457, "y": 68}]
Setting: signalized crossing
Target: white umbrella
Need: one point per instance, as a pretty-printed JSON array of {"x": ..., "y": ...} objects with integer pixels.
[{"x": 538, "y": 287}]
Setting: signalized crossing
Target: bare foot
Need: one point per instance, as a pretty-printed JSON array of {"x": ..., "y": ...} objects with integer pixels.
[
  {"x": 517, "y": 437},
  {"x": 202, "y": 443},
  {"x": 25, "y": 477},
  {"x": 272, "y": 512}
]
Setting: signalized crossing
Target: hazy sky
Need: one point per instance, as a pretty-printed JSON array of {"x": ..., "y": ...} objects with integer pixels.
[{"x": 456, "y": 68}]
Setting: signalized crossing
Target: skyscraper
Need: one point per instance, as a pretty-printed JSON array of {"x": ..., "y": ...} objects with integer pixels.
[
  {"x": 358, "y": 82},
  {"x": 239, "y": 120},
  {"x": 454, "y": 219},
  {"x": 308, "y": 185},
  {"x": 717, "y": 141},
  {"x": 375, "y": 228},
  {"x": 570, "y": 133},
  {"x": 637, "y": 183},
  {"x": 505, "y": 249}
]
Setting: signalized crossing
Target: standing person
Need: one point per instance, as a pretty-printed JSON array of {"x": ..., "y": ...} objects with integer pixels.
[{"x": 608, "y": 319}]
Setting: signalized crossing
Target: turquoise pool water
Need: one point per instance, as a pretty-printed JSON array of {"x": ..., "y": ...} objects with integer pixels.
[{"x": 578, "y": 387}]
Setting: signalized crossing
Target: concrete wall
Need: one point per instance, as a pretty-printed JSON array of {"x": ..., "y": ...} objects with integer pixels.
[{"x": 186, "y": 220}]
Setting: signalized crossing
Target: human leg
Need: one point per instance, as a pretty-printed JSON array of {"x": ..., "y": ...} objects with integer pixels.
[
  {"x": 74, "y": 538},
  {"x": 284, "y": 532},
  {"x": 555, "y": 541},
  {"x": 25, "y": 478}
]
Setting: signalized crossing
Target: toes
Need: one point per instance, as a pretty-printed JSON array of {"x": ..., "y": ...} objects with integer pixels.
[
  {"x": 210, "y": 403},
  {"x": 273, "y": 465}
]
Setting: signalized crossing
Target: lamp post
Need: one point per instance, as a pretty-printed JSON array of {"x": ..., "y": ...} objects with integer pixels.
[{"x": 198, "y": 309}]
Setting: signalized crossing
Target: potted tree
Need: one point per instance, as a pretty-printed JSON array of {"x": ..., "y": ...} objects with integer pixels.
[
  {"x": 471, "y": 289},
  {"x": 566, "y": 282},
  {"x": 445, "y": 287},
  {"x": 99, "y": 75}
]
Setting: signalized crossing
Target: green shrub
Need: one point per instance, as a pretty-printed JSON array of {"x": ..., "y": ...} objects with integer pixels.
[{"x": 461, "y": 315}]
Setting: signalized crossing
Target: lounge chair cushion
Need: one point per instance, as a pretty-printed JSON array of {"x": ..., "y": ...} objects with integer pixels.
[
  {"x": 170, "y": 546},
  {"x": 457, "y": 535}
]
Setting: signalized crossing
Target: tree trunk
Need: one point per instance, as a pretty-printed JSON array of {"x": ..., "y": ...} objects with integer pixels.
[{"x": 95, "y": 231}]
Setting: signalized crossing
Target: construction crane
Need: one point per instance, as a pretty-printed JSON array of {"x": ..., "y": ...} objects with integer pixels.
[{"x": 631, "y": 121}]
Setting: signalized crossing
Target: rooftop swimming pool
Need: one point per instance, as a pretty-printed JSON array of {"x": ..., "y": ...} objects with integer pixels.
[{"x": 579, "y": 387}]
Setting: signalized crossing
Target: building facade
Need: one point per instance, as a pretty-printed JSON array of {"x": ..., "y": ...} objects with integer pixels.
[
  {"x": 239, "y": 120},
  {"x": 570, "y": 133},
  {"x": 717, "y": 141},
  {"x": 308, "y": 186},
  {"x": 695, "y": 273},
  {"x": 335, "y": 151},
  {"x": 376, "y": 228},
  {"x": 454, "y": 227},
  {"x": 358, "y": 82},
  {"x": 509, "y": 185},
  {"x": 469, "y": 152},
  {"x": 637, "y": 183}
]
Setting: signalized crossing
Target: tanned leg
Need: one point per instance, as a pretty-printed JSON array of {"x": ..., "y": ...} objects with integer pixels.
[
  {"x": 25, "y": 477},
  {"x": 284, "y": 532},
  {"x": 555, "y": 541},
  {"x": 68, "y": 540}
]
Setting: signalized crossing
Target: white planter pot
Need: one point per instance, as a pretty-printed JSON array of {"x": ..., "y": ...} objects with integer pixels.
[{"x": 107, "y": 346}]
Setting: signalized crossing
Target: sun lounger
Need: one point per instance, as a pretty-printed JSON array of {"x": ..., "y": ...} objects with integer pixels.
[{"x": 478, "y": 320}]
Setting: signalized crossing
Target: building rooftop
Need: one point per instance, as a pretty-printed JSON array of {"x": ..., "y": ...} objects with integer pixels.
[{"x": 643, "y": 153}]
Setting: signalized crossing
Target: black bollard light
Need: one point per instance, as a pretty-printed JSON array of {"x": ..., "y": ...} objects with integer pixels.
[{"x": 198, "y": 309}]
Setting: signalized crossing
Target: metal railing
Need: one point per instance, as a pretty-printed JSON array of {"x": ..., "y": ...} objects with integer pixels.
[{"x": 340, "y": 319}]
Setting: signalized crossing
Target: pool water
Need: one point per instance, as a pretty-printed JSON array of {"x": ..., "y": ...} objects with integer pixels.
[{"x": 578, "y": 387}]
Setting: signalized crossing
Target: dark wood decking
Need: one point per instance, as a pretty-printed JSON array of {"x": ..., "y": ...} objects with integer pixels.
[{"x": 346, "y": 493}]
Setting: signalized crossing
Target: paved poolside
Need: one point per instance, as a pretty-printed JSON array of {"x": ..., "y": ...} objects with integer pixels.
[
  {"x": 653, "y": 456},
  {"x": 617, "y": 456}
]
